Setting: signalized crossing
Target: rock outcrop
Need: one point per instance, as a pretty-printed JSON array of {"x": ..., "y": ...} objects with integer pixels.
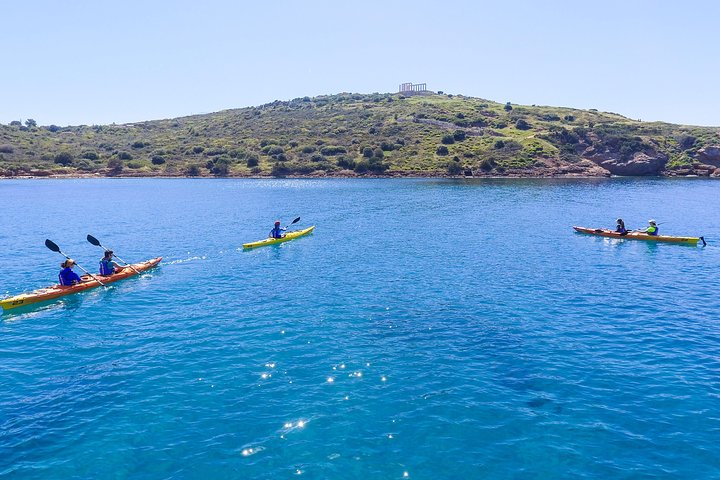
[
  {"x": 709, "y": 155},
  {"x": 641, "y": 163}
]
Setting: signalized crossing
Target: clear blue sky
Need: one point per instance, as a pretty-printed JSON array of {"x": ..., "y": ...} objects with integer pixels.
[{"x": 94, "y": 62}]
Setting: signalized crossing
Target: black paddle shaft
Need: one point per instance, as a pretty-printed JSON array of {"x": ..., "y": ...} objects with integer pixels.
[{"x": 53, "y": 246}]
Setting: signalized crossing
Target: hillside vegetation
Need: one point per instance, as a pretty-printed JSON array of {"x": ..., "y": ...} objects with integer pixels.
[{"x": 375, "y": 134}]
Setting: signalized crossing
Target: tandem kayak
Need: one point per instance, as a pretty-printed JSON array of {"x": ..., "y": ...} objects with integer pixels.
[
  {"x": 604, "y": 232},
  {"x": 50, "y": 293},
  {"x": 273, "y": 241}
]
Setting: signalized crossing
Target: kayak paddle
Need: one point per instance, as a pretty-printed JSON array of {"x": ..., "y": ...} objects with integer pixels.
[
  {"x": 52, "y": 246},
  {"x": 97, "y": 243},
  {"x": 293, "y": 222}
]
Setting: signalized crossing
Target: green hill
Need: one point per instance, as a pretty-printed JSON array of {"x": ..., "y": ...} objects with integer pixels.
[{"x": 375, "y": 134}]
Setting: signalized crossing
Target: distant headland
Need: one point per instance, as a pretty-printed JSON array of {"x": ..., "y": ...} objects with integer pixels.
[{"x": 414, "y": 132}]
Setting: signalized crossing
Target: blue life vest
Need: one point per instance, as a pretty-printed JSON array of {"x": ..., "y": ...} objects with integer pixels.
[
  {"x": 106, "y": 267},
  {"x": 276, "y": 232},
  {"x": 67, "y": 276},
  {"x": 620, "y": 229}
]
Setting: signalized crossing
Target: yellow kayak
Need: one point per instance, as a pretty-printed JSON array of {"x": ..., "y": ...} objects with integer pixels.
[{"x": 273, "y": 241}]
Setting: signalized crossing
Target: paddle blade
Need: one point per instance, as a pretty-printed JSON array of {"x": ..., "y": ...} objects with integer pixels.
[
  {"x": 295, "y": 221},
  {"x": 51, "y": 245},
  {"x": 93, "y": 240}
]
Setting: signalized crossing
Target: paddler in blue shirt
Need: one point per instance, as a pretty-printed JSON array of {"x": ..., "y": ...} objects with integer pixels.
[
  {"x": 277, "y": 232},
  {"x": 67, "y": 277},
  {"x": 620, "y": 228},
  {"x": 652, "y": 229},
  {"x": 107, "y": 266}
]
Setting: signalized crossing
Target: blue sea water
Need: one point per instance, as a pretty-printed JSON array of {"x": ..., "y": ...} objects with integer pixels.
[{"x": 427, "y": 329}]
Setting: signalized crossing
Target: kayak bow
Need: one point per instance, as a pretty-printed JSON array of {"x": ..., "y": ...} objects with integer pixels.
[
  {"x": 274, "y": 241},
  {"x": 51, "y": 293},
  {"x": 604, "y": 232}
]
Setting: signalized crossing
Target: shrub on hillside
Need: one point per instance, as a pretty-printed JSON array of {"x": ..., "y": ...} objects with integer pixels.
[
  {"x": 332, "y": 150},
  {"x": 139, "y": 144},
  {"x": 345, "y": 162},
  {"x": 454, "y": 167},
  {"x": 569, "y": 118},
  {"x": 193, "y": 170},
  {"x": 63, "y": 158},
  {"x": 442, "y": 150},
  {"x": 387, "y": 146},
  {"x": 361, "y": 166},
  {"x": 459, "y": 135},
  {"x": 6, "y": 148},
  {"x": 124, "y": 156},
  {"x": 213, "y": 152},
  {"x": 507, "y": 107},
  {"x": 367, "y": 152},
  {"x": 198, "y": 149},
  {"x": 84, "y": 165},
  {"x": 487, "y": 164},
  {"x": 157, "y": 159},
  {"x": 448, "y": 139},
  {"x": 221, "y": 166},
  {"x": 115, "y": 165},
  {"x": 376, "y": 165},
  {"x": 280, "y": 170},
  {"x": 252, "y": 161},
  {"x": 522, "y": 124},
  {"x": 90, "y": 155},
  {"x": 499, "y": 144},
  {"x": 308, "y": 149}
]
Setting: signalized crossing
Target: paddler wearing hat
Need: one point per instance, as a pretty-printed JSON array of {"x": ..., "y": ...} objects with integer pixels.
[
  {"x": 67, "y": 277},
  {"x": 652, "y": 228}
]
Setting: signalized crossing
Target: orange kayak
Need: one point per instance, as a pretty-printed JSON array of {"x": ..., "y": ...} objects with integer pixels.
[
  {"x": 50, "y": 293},
  {"x": 604, "y": 232}
]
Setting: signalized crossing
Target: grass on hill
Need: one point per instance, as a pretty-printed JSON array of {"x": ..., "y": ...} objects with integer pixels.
[{"x": 346, "y": 134}]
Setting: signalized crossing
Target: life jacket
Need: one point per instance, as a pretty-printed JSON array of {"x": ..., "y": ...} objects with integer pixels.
[
  {"x": 106, "y": 267},
  {"x": 276, "y": 232},
  {"x": 67, "y": 277},
  {"x": 652, "y": 230},
  {"x": 620, "y": 229}
]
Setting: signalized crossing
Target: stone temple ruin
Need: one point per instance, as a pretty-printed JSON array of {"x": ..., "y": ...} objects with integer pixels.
[{"x": 413, "y": 88}]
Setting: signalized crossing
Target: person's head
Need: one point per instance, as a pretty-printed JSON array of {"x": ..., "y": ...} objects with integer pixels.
[
  {"x": 108, "y": 254},
  {"x": 620, "y": 221},
  {"x": 652, "y": 222},
  {"x": 69, "y": 263},
  {"x": 277, "y": 223}
]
